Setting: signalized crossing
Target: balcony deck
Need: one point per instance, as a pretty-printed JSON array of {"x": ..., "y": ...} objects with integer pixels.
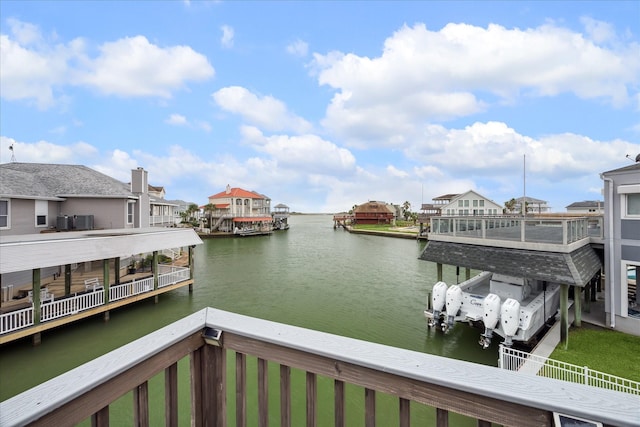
[{"x": 211, "y": 339}]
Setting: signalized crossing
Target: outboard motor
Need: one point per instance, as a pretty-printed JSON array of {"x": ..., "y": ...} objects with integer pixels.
[
  {"x": 438, "y": 298},
  {"x": 509, "y": 319},
  {"x": 454, "y": 301},
  {"x": 491, "y": 312}
]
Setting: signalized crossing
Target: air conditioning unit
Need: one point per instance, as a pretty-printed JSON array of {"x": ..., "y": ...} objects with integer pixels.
[
  {"x": 64, "y": 223},
  {"x": 83, "y": 222}
]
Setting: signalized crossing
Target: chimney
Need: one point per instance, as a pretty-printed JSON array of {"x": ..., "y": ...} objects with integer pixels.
[{"x": 139, "y": 181}]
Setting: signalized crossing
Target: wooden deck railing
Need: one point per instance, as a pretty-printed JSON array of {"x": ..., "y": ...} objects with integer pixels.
[{"x": 212, "y": 338}]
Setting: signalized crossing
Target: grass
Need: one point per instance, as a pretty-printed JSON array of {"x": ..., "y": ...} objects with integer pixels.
[
  {"x": 603, "y": 350},
  {"x": 386, "y": 227}
]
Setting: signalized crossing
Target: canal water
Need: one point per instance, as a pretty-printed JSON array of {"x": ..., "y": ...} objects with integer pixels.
[{"x": 366, "y": 287}]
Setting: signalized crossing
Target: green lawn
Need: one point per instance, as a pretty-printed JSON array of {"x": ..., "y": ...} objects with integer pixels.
[
  {"x": 603, "y": 350},
  {"x": 385, "y": 227}
]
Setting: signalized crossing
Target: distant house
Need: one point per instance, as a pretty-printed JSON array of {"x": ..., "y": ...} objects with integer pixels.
[
  {"x": 36, "y": 197},
  {"x": 622, "y": 247},
  {"x": 374, "y": 212},
  {"x": 535, "y": 206},
  {"x": 470, "y": 204},
  {"x": 587, "y": 206},
  {"x": 235, "y": 209}
]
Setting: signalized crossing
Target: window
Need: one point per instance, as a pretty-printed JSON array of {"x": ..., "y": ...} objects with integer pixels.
[
  {"x": 466, "y": 203},
  {"x": 130, "y": 213},
  {"x": 460, "y": 203},
  {"x": 4, "y": 214},
  {"x": 41, "y": 209},
  {"x": 475, "y": 203},
  {"x": 482, "y": 203},
  {"x": 633, "y": 204}
]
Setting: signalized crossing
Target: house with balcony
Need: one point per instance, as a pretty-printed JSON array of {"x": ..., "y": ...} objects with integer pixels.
[
  {"x": 70, "y": 239},
  {"x": 622, "y": 247},
  {"x": 236, "y": 210},
  {"x": 534, "y": 206},
  {"x": 470, "y": 203}
]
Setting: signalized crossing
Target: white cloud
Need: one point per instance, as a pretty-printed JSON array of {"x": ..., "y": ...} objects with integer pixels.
[
  {"x": 227, "y": 36},
  {"x": 304, "y": 153},
  {"x": 424, "y": 76},
  {"x": 298, "y": 48},
  {"x": 176, "y": 120},
  {"x": 37, "y": 69},
  {"x": 134, "y": 67},
  {"x": 266, "y": 112},
  {"x": 45, "y": 151}
]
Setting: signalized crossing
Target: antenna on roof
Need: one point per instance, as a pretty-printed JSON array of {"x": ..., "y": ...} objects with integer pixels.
[
  {"x": 13, "y": 156},
  {"x": 637, "y": 158}
]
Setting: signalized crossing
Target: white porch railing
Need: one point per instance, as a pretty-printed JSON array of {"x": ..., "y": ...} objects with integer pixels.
[
  {"x": 128, "y": 289},
  {"x": 177, "y": 274},
  {"x": 71, "y": 305},
  {"x": 18, "y": 319},
  {"x": 15, "y": 320},
  {"x": 516, "y": 360}
]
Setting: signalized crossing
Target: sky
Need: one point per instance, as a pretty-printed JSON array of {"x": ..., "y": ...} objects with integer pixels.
[{"x": 323, "y": 105}]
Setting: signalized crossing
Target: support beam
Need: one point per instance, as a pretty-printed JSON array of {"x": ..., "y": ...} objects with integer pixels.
[
  {"x": 439, "y": 272},
  {"x": 191, "y": 248},
  {"x": 35, "y": 291},
  {"x": 67, "y": 279},
  {"x": 564, "y": 315},
  {"x": 577, "y": 306},
  {"x": 154, "y": 269}
]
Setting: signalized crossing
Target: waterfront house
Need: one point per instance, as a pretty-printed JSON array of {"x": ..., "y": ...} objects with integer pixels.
[
  {"x": 622, "y": 247},
  {"x": 535, "y": 206},
  {"x": 470, "y": 203},
  {"x": 280, "y": 216},
  {"x": 374, "y": 212},
  {"x": 69, "y": 228},
  {"x": 236, "y": 209},
  {"x": 586, "y": 207}
]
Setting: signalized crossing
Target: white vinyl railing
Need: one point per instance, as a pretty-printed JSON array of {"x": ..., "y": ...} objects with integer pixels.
[
  {"x": 178, "y": 274},
  {"x": 129, "y": 289},
  {"x": 516, "y": 360},
  {"x": 18, "y": 319},
  {"x": 15, "y": 320},
  {"x": 71, "y": 305}
]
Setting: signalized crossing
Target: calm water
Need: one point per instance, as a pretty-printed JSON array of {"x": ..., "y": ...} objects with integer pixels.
[{"x": 366, "y": 287}]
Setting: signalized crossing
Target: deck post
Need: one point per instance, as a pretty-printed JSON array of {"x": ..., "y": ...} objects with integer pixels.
[
  {"x": 577, "y": 306},
  {"x": 154, "y": 268},
  {"x": 439, "y": 272},
  {"x": 587, "y": 297},
  {"x": 105, "y": 276},
  {"x": 67, "y": 279},
  {"x": 467, "y": 273},
  {"x": 35, "y": 291},
  {"x": 564, "y": 315},
  {"x": 116, "y": 270},
  {"x": 191, "y": 268}
]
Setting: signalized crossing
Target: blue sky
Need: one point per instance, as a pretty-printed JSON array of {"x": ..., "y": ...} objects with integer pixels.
[{"x": 323, "y": 105}]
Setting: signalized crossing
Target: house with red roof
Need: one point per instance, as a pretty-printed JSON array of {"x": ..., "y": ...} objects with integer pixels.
[{"x": 240, "y": 211}]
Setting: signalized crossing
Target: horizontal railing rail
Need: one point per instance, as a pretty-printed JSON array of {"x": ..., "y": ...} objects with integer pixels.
[
  {"x": 219, "y": 343},
  {"x": 518, "y": 360},
  {"x": 126, "y": 290},
  {"x": 177, "y": 275}
]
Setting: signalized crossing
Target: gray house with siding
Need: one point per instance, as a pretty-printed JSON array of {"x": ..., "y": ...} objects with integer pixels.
[
  {"x": 622, "y": 247},
  {"x": 37, "y": 197}
]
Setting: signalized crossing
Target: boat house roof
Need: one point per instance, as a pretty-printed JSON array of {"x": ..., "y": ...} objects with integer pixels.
[{"x": 575, "y": 268}]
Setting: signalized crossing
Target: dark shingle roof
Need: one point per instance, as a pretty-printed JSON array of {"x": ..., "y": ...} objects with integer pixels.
[
  {"x": 586, "y": 204},
  {"x": 52, "y": 180},
  {"x": 575, "y": 268}
]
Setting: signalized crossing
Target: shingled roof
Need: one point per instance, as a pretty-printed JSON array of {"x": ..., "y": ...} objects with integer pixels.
[
  {"x": 51, "y": 181},
  {"x": 575, "y": 268}
]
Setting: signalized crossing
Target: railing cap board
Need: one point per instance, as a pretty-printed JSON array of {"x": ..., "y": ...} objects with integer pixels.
[
  {"x": 607, "y": 406},
  {"x": 38, "y": 401}
]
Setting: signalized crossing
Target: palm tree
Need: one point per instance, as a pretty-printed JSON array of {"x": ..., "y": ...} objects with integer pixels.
[
  {"x": 208, "y": 209},
  {"x": 406, "y": 210},
  {"x": 510, "y": 205}
]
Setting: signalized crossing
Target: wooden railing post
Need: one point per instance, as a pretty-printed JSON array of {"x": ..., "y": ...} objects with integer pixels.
[
  {"x": 141, "y": 405},
  {"x": 312, "y": 396},
  {"x": 339, "y": 398},
  {"x": 285, "y": 396},
  {"x": 263, "y": 394},
  {"x": 405, "y": 412},
  {"x": 442, "y": 417},
  {"x": 241, "y": 390},
  {"x": 369, "y": 407},
  {"x": 171, "y": 396}
]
